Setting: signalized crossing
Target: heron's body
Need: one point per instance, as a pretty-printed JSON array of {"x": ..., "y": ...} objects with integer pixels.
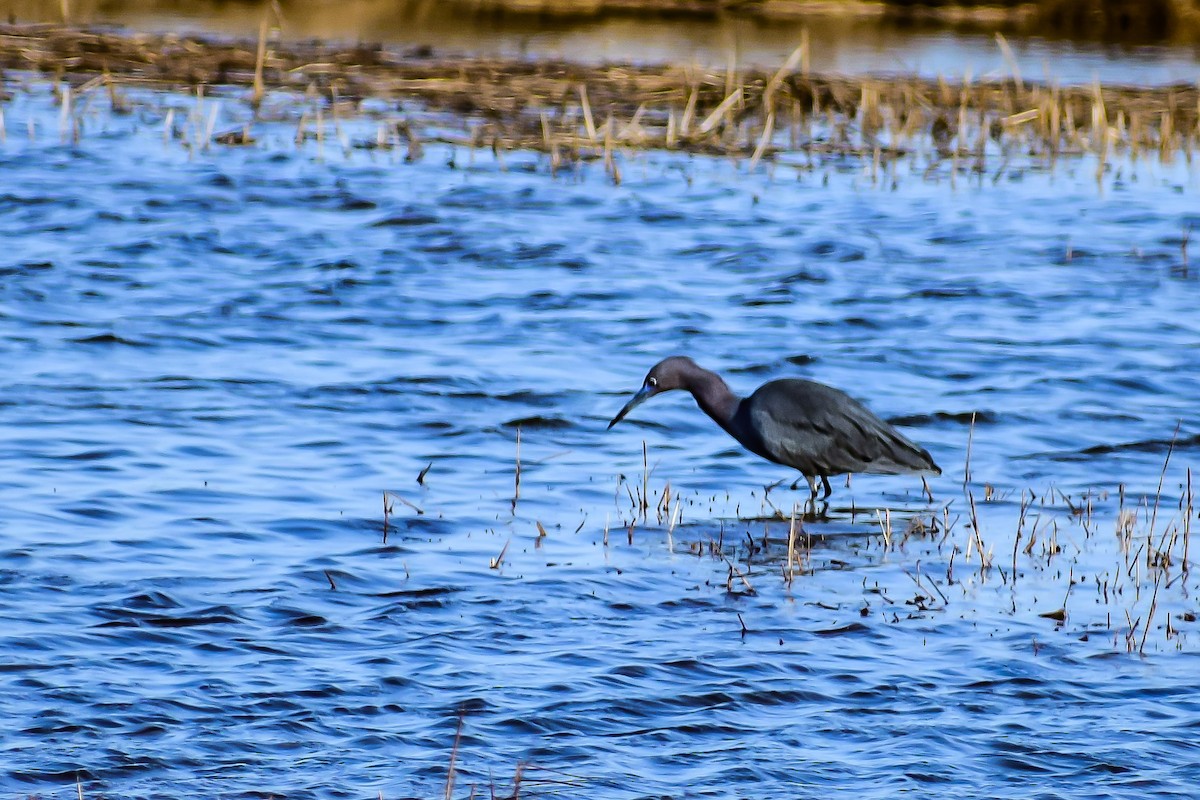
[{"x": 814, "y": 428}]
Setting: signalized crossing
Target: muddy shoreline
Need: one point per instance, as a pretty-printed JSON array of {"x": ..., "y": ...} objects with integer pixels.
[
  {"x": 1124, "y": 20},
  {"x": 1127, "y": 21}
]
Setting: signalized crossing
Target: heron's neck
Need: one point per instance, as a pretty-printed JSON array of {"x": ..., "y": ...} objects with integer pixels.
[{"x": 714, "y": 396}]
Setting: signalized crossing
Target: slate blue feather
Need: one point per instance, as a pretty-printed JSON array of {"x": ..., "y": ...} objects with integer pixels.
[{"x": 814, "y": 428}]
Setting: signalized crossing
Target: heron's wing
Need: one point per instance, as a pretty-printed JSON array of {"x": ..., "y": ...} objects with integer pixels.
[{"x": 820, "y": 430}]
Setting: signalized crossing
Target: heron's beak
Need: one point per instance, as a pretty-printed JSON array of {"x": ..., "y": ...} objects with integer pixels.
[{"x": 643, "y": 394}]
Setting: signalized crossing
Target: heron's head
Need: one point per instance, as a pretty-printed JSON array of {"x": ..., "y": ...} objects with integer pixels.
[{"x": 670, "y": 373}]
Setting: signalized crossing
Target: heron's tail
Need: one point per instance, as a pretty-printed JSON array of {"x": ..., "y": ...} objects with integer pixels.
[{"x": 901, "y": 455}]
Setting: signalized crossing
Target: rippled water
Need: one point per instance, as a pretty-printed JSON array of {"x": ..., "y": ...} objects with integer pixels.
[{"x": 218, "y": 361}]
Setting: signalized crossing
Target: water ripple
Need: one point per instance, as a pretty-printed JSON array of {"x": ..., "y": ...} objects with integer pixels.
[{"x": 224, "y": 366}]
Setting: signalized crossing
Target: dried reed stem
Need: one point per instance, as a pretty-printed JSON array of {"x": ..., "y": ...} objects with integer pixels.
[
  {"x": 970, "y": 441},
  {"x": 672, "y": 521},
  {"x": 763, "y": 141},
  {"x": 733, "y": 570},
  {"x": 450, "y": 774},
  {"x": 64, "y": 114},
  {"x": 588, "y": 122},
  {"x": 885, "y": 525},
  {"x": 517, "y": 472},
  {"x": 387, "y": 510},
  {"x": 791, "y": 543},
  {"x": 1150, "y": 613},
  {"x": 1011, "y": 60},
  {"x": 777, "y": 79},
  {"x": 715, "y": 117},
  {"x": 1162, "y": 475},
  {"x": 260, "y": 58},
  {"x": 498, "y": 561},
  {"x": 645, "y": 503},
  {"x": 1187, "y": 520},
  {"x": 393, "y": 495}
]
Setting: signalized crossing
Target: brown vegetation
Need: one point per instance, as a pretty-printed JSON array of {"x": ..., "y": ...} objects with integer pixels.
[
  {"x": 572, "y": 111},
  {"x": 1141, "y": 21}
]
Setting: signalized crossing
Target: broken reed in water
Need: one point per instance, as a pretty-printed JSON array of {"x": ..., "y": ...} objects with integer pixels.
[{"x": 575, "y": 112}]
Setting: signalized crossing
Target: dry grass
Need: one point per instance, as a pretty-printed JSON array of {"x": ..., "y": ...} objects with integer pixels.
[{"x": 575, "y": 113}]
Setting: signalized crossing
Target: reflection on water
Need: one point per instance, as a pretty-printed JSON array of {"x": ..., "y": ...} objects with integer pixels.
[{"x": 838, "y": 45}]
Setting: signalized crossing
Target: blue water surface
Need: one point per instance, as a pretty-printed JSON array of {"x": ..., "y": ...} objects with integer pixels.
[{"x": 218, "y": 361}]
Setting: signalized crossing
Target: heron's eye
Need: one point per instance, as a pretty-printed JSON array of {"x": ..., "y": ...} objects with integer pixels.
[{"x": 652, "y": 381}]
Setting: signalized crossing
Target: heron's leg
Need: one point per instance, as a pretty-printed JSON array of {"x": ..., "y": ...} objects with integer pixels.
[
  {"x": 811, "y": 502},
  {"x": 825, "y": 485},
  {"x": 813, "y": 509},
  {"x": 812, "y": 485}
]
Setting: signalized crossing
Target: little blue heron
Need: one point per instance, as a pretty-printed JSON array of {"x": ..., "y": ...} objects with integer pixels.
[{"x": 815, "y": 428}]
